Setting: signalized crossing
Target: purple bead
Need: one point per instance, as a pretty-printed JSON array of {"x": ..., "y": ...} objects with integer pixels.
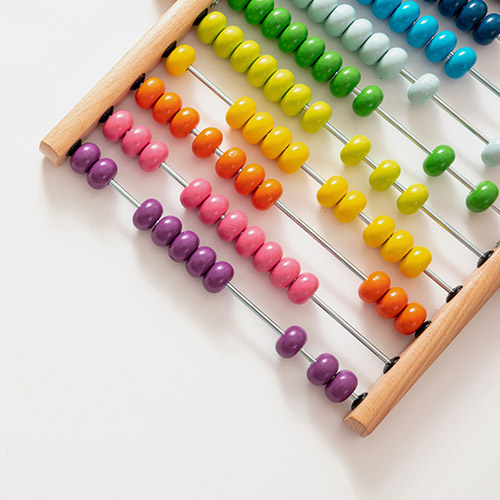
[
  {"x": 342, "y": 386},
  {"x": 183, "y": 246},
  {"x": 101, "y": 173},
  {"x": 84, "y": 157},
  {"x": 201, "y": 261},
  {"x": 147, "y": 214},
  {"x": 167, "y": 229},
  {"x": 291, "y": 342},
  {"x": 323, "y": 369},
  {"x": 218, "y": 276}
]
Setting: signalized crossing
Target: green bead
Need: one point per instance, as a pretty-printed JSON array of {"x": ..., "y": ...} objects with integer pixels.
[
  {"x": 384, "y": 176},
  {"x": 326, "y": 66},
  {"x": 309, "y": 52},
  {"x": 275, "y": 22},
  {"x": 412, "y": 199},
  {"x": 482, "y": 197},
  {"x": 257, "y": 10},
  {"x": 368, "y": 100},
  {"x": 293, "y": 36},
  {"x": 237, "y": 5},
  {"x": 439, "y": 160},
  {"x": 344, "y": 81}
]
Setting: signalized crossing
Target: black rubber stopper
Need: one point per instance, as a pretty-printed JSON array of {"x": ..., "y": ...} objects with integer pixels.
[
  {"x": 138, "y": 82},
  {"x": 391, "y": 363},
  {"x": 200, "y": 17},
  {"x": 72, "y": 149},
  {"x": 358, "y": 400},
  {"x": 106, "y": 115},
  {"x": 453, "y": 293},
  {"x": 169, "y": 49},
  {"x": 422, "y": 328},
  {"x": 484, "y": 258}
]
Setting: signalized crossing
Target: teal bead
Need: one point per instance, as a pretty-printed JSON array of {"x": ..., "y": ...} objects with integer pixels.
[
  {"x": 326, "y": 66},
  {"x": 275, "y": 23},
  {"x": 309, "y": 52},
  {"x": 482, "y": 197},
  {"x": 344, "y": 81},
  {"x": 257, "y": 10},
  {"x": 293, "y": 36},
  {"x": 238, "y": 5},
  {"x": 439, "y": 160},
  {"x": 368, "y": 100}
]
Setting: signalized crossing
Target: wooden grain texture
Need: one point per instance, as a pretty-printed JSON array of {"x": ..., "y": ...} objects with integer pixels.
[
  {"x": 115, "y": 85},
  {"x": 423, "y": 351}
]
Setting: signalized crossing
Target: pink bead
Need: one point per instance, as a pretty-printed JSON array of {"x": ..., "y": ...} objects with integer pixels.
[
  {"x": 285, "y": 271},
  {"x": 213, "y": 208},
  {"x": 117, "y": 125},
  {"x": 153, "y": 155},
  {"x": 303, "y": 288},
  {"x": 268, "y": 255},
  {"x": 249, "y": 241},
  {"x": 233, "y": 224},
  {"x": 195, "y": 193},
  {"x": 135, "y": 140}
]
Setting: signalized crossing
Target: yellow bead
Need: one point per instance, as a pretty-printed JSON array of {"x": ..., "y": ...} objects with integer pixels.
[
  {"x": 332, "y": 191},
  {"x": 316, "y": 116},
  {"x": 276, "y": 142},
  {"x": 227, "y": 41},
  {"x": 179, "y": 60},
  {"x": 295, "y": 99},
  {"x": 350, "y": 206},
  {"x": 379, "y": 231},
  {"x": 384, "y": 176},
  {"x": 210, "y": 27},
  {"x": 278, "y": 85},
  {"x": 244, "y": 56},
  {"x": 257, "y": 127},
  {"x": 412, "y": 199},
  {"x": 415, "y": 262},
  {"x": 261, "y": 70},
  {"x": 293, "y": 157},
  {"x": 240, "y": 112},
  {"x": 355, "y": 150},
  {"x": 397, "y": 246}
]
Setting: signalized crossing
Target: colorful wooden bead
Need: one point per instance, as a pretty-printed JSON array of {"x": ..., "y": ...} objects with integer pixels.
[
  {"x": 153, "y": 155},
  {"x": 210, "y": 27},
  {"x": 147, "y": 215},
  {"x": 319, "y": 10},
  {"x": 259, "y": 125},
  {"x": 84, "y": 157},
  {"x": 471, "y": 15},
  {"x": 355, "y": 150},
  {"x": 166, "y": 230},
  {"x": 257, "y": 10},
  {"x": 412, "y": 199},
  {"x": 439, "y": 160},
  {"x": 179, "y": 60},
  {"x": 392, "y": 62},
  {"x": 183, "y": 246},
  {"x": 212, "y": 209},
  {"x": 488, "y": 29},
  {"x": 267, "y": 194},
  {"x": 392, "y": 303},
  {"x": 404, "y": 16},
  {"x": 247, "y": 181},
  {"x": 309, "y": 52},
  {"x": 275, "y": 23},
  {"x": 232, "y": 225},
  {"x": 341, "y": 387},
  {"x": 206, "y": 142},
  {"x": 384, "y": 176},
  {"x": 410, "y": 319},
  {"x": 195, "y": 193},
  {"x": 450, "y": 8},
  {"x": 135, "y": 140},
  {"x": 344, "y": 81},
  {"x": 423, "y": 89},
  {"x": 267, "y": 256},
  {"x": 292, "y": 37},
  {"x": 350, "y": 206},
  {"x": 332, "y": 191},
  {"x": 227, "y": 41},
  {"x": 382, "y": 9},
  {"x": 440, "y": 46},
  {"x": 374, "y": 48},
  {"x": 101, "y": 173},
  {"x": 314, "y": 119},
  {"x": 379, "y": 231},
  {"x": 415, "y": 262},
  {"x": 261, "y": 70},
  {"x": 249, "y": 241},
  {"x": 202, "y": 259},
  {"x": 323, "y": 369},
  {"x": 166, "y": 107},
  {"x": 278, "y": 85},
  {"x": 285, "y": 271},
  {"x": 291, "y": 342},
  {"x": 238, "y": 5},
  {"x": 422, "y": 31},
  {"x": 230, "y": 162},
  {"x": 184, "y": 122},
  {"x": 244, "y": 56},
  {"x": 275, "y": 142},
  {"x": 149, "y": 92},
  {"x": 397, "y": 246},
  {"x": 294, "y": 101},
  {"x": 368, "y": 100},
  {"x": 491, "y": 152},
  {"x": 460, "y": 62},
  {"x": 303, "y": 288},
  {"x": 374, "y": 287},
  {"x": 293, "y": 157},
  {"x": 482, "y": 197},
  {"x": 326, "y": 66},
  {"x": 240, "y": 112},
  {"x": 117, "y": 125},
  {"x": 339, "y": 20},
  {"x": 218, "y": 276},
  {"x": 357, "y": 34}
]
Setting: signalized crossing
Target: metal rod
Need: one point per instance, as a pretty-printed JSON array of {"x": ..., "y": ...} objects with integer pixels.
[
  {"x": 481, "y": 78},
  {"x": 170, "y": 171},
  {"x": 124, "y": 193}
]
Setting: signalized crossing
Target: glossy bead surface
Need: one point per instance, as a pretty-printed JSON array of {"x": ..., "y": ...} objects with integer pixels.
[
  {"x": 227, "y": 41},
  {"x": 440, "y": 46},
  {"x": 184, "y": 122},
  {"x": 319, "y": 10},
  {"x": 404, "y": 16},
  {"x": 230, "y": 162},
  {"x": 275, "y": 23},
  {"x": 293, "y": 157},
  {"x": 261, "y": 70},
  {"x": 326, "y": 66},
  {"x": 323, "y": 369},
  {"x": 292, "y": 37},
  {"x": 415, "y": 262},
  {"x": 460, "y": 62},
  {"x": 166, "y": 107},
  {"x": 412, "y": 199},
  {"x": 259, "y": 125},
  {"x": 240, "y": 112},
  {"x": 232, "y": 225},
  {"x": 355, "y": 150},
  {"x": 315, "y": 117},
  {"x": 410, "y": 319},
  {"x": 218, "y": 276},
  {"x": 422, "y": 31},
  {"x": 257, "y": 10},
  {"x": 247, "y": 181},
  {"x": 397, "y": 246},
  {"x": 117, "y": 125},
  {"x": 135, "y": 140},
  {"x": 278, "y": 85},
  {"x": 146, "y": 216},
  {"x": 357, "y": 34},
  {"x": 439, "y": 160},
  {"x": 249, "y": 241},
  {"x": 482, "y": 197},
  {"x": 179, "y": 60},
  {"x": 368, "y": 100},
  {"x": 303, "y": 288},
  {"x": 341, "y": 387},
  {"x": 84, "y": 157},
  {"x": 488, "y": 29},
  {"x": 379, "y": 231},
  {"x": 267, "y": 256},
  {"x": 392, "y": 303},
  {"x": 210, "y": 27},
  {"x": 284, "y": 272},
  {"x": 450, "y": 8},
  {"x": 344, "y": 81},
  {"x": 183, "y": 246},
  {"x": 294, "y": 101},
  {"x": 374, "y": 48},
  {"x": 309, "y": 52},
  {"x": 202, "y": 259},
  {"x": 206, "y": 142},
  {"x": 149, "y": 92},
  {"x": 244, "y": 56},
  {"x": 166, "y": 230},
  {"x": 275, "y": 142},
  {"x": 423, "y": 88},
  {"x": 491, "y": 152},
  {"x": 471, "y": 15},
  {"x": 152, "y": 156},
  {"x": 291, "y": 342},
  {"x": 101, "y": 173},
  {"x": 392, "y": 62},
  {"x": 195, "y": 193},
  {"x": 212, "y": 209},
  {"x": 384, "y": 176},
  {"x": 267, "y": 194},
  {"x": 332, "y": 191},
  {"x": 382, "y": 9},
  {"x": 350, "y": 206},
  {"x": 374, "y": 287},
  {"x": 339, "y": 20},
  {"x": 238, "y": 5}
]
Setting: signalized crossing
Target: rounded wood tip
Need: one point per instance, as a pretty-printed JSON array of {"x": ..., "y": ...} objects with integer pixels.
[
  {"x": 356, "y": 425},
  {"x": 50, "y": 153}
]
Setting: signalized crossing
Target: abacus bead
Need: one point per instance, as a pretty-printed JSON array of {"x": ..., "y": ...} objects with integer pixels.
[
  {"x": 301, "y": 4},
  {"x": 292, "y": 37},
  {"x": 368, "y": 100},
  {"x": 423, "y": 88},
  {"x": 276, "y": 142},
  {"x": 294, "y": 101},
  {"x": 240, "y": 112},
  {"x": 146, "y": 216},
  {"x": 135, "y": 140},
  {"x": 415, "y": 262},
  {"x": 257, "y": 10},
  {"x": 206, "y": 142},
  {"x": 244, "y": 56},
  {"x": 201, "y": 261},
  {"x": 491, "y": 152},
  {"x": 450, "y": 8},
  {"x": 184, "y": 122},
  {"x": 439, "y": 160},
  {"x": 321, "y": 371},
  {"x": 326, "y": 66},
  {"x": 397, "y": 246},
  {"x": 275, "y": 23},
  {"x": 384, "y": 176},
  {"x": 267, "y": 256},
  {"x": 249, "y": 179},
  {"x": 355, "y": 150},
  {"x": 374, "y": 287},
  {"x": 183, "y": 246},
  {"x": 267, "y": 194},
  {"x": 357, "y": 34},
  {"x": 382, "y": 9},
  {"x": 232, "y": 225},
  {"x": 332, "y": 191},
  {"x": 319, "y": 10},
  {"x": 278, "y": 85},
  {"x": 218, "y": 276},
  {"x": 345, "y": 81},
  {"x": 303, "y": 288},
  {"x": 350, "y": 206},
  {"x": 166, "y": 230},
  {"x": 470, "y": 16},
  {"x": 410, "y": 319},
  {"x": 309, "y": 52},
  {"x": 293, "y": 157},
  {"x": 261, "y": 70},
  {"x": 460, "y": 62},
  {"x": 339, "y": 20},
  {"x": 412, "y": 199},
  {"x": 166, "y": 107},
  {"x": 238, "y": 5},
  {"x": 249, "y": 241},
  {"x": 230, "y": 162},
  {"x": 482, "y": 197},
  {"x": 379, "y": 231},
  {"x": 440, "y": 46},
  {"x": 404, "y": 16},
  {"x": 257, "y": 127},
  {"x": 179, "y": 60},
  {"x": 153, "y": 155},
  {"x": 117, "y": 125},
  {"x": 210, "y": 27},
  {"x": 285, "y": 271},
  {"x": 101, "y": 173},
  {"x": 291, "y": 342},
  {"x": 341, "y": 387},
  {"x": 195, "y": 193},
  {"x": 393, "y": 61},
  {"x": 392, "y": 303},
  {"x": 149, "y": 92},
  {"x": 84, "y": 157},
  {"x": 374, "y": 48},
  {"x": 422, "y": 31},
  {"x": 227, "y": 41},
  {"x": 488, "y": 29},
  {"x": 314, "y": 119},
  {"x": 212, "y": 209}
]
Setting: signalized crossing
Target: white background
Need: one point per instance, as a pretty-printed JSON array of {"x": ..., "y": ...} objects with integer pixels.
[{"x": 121, "y": 378}]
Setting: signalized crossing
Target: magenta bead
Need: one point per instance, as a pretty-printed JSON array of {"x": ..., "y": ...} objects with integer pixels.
[
  {"x": 135, "y": 140},
  {"x": 183, "y": 246},
  {"x": 153, "y": 155},
  {"x": 166, "y": 230},
  {"x": 218, "y": 276},
  {"x": 84, "y": 157},
  {"x": 285, "y": 271},
  {"x": 195, "y": 193},
  {"x": 213, "y": 208},
  {"x": 267, "y": 256},
  {"x": 101, "y": 173},
  {"x": 249, "y": 241},
  {"x": 291, "y": 342},
  {"x": 232, "y": 225},
  {"x": 341, "y": 387},
  {"x": 117, "y": 125},
  {"x": 303, "y": 288},
  {"x": 201, "y": 261},
  {"x": 323, "y": 369},
  {"x": 146, "y": 216}
]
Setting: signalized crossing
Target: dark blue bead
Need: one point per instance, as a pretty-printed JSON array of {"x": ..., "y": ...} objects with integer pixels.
[
  {"x": 470, "y": 16},
  {"x": 488, "y": 29},
  {"x": 450, "y": 8}
]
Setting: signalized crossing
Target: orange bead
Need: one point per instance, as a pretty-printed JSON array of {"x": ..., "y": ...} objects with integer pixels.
[
  {"x": 249, "y": 178},
  {"x": 149, "y": 92},
  {"x": 374, "y": 287},
  {"x": 206, "y": 142},
  {"x": 392, "y": 303},
  {"x": 410, "y": 319},
  {"x": 166, "y": 107},
  {"x": 183, "y": 122},
  {"x": 267, "y": 194},
  {"x": 230, "y": 162}
]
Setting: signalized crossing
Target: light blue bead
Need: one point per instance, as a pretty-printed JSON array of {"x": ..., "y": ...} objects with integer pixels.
[
  {"x": 357, "y": 34},
  {"x": 460, "y": 62},
  {"x": 339, "y": 20},
  {"x": 422, "y": 31},
  {"x": 374, "y": 48},
  {"x": 423, "y": 89},
  {"x": 491, "y": 152},
  {"x": 440, "y": 46},
  {"x": 404, "y": 16},
  {"x": 382, "y": 9},
  {"x": 319, "y": 10},
  {"x": 392, "y": 63}
]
